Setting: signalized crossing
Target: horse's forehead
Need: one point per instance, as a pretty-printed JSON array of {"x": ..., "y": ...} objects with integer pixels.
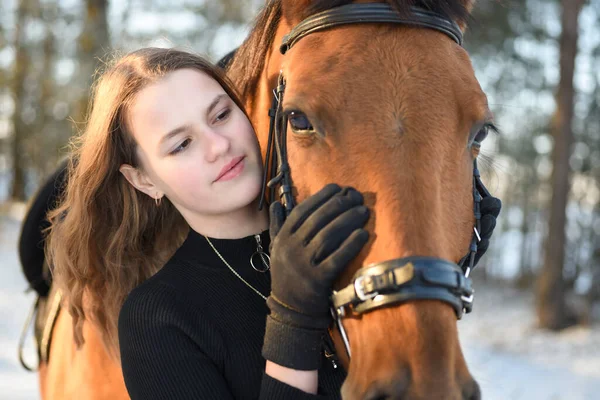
[
  {"x": 362, "y": 49},
  {"x": 334, "y": 67}
]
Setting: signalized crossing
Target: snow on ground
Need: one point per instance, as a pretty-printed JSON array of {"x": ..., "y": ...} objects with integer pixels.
[
  {"x": 15, "y": 382},
  {"x": 513, "y": 360},
  {"x": 508, "y": 356}
]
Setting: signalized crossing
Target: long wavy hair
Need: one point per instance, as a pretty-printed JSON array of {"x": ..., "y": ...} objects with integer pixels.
[{"x": 106, "y": 237}]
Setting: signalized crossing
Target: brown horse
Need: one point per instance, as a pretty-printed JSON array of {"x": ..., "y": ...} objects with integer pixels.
[
  {"x": 393, "y": 109},
  {"x": 88, "y": 372}
]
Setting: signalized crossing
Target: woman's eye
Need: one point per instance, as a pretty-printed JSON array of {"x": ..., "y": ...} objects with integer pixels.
[
  {"x": 223, "y": 115},
  {"x": 300, "y": 122},
  {"x": 181, "y": 147}
]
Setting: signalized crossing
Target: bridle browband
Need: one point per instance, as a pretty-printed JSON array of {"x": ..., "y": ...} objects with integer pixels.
[
  {"x": 393, "y": 281},
  {"x": 380, "y": 13}
]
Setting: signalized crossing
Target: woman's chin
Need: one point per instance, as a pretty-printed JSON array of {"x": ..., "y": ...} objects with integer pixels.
[{"x": 242, "y": 191}]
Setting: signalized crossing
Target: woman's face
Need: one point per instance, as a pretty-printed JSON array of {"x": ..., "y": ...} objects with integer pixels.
[{"x": 195, "y": 145}]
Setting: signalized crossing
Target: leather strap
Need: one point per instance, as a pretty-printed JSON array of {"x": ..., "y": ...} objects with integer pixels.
[
  {"x": 370, "y": 13},
  {"x": 406, "y": 279}
]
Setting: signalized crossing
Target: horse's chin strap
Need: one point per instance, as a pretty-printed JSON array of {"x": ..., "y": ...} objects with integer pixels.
[
  {"x": 405, "y": 279},
  {"x": 399, "y": 281}
]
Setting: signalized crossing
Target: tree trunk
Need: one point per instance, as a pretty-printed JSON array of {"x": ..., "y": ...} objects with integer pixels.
[
  {"x": 552, "y": 310},
  {"x": 93, "y": 44},
  {"x": 47, "y": 158},
  {"x": 525, "y": 278},
  {"x": 3, "y": 44},
  {"x": 20, "y": 69},
  {"x": 594, "y": 264}
]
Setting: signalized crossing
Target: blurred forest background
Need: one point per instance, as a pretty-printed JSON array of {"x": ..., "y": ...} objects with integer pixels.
[{"x": 538, "y": 61}]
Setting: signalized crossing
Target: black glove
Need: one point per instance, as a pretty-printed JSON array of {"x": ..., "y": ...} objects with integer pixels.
[
  {"x": 490, "y": 209},
  {"x": 308, "y": 251}
]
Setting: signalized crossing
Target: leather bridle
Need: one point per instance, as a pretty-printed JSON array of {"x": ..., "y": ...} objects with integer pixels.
[{"x": 393, "y": 281}]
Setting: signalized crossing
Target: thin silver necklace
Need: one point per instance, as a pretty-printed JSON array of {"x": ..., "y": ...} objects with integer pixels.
[
  {"x": 328, "y": 354},
  {"x": 234, "y": 271}
]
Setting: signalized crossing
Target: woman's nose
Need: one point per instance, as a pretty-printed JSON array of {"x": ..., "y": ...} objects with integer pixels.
[{"x": 216, "y": 145}]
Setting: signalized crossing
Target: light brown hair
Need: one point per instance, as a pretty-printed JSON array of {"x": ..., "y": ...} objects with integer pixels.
[{"x": 105, "y": 236}]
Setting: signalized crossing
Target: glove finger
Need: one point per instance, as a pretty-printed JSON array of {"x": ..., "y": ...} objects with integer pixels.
[
  {"x": 487, "y": 225},
  {"x": 329, "y": 239},
  {"x": 277, "y": 218},
  {"x": 303, "y": 210},
  {"x": 490, "y": 205},
  {"x": 336, "y": 206},
  {"x": 333, "y": 265}
]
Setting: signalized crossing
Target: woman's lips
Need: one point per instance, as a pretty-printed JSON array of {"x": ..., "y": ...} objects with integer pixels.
[{"x": 231, "y": 170}]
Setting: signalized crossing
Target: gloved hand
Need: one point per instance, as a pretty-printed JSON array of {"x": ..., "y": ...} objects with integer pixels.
[
  {"x": 490, "y": 209},
  {"x": 308, "y": 251}
]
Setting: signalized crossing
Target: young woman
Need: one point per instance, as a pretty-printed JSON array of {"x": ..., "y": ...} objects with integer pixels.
[
  {"x": 169, "y": 160},
  {"x": 167, "y": 179}
]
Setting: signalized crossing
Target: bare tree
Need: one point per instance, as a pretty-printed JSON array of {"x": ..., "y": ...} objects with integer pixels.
[
  {"x": 45, "y": 124},
  {"x": 3, "y": 43},
  {"x": 93, "y": 44},
  {"x": 20, "y": 68},
  {"x": 551, "y": 307}
]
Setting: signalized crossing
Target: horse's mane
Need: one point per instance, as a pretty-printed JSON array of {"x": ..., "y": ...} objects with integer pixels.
[{"x": 249, "y": 60}]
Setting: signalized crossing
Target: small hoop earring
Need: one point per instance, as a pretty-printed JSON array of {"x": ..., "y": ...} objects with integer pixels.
[{"x": 157, "y": 200}]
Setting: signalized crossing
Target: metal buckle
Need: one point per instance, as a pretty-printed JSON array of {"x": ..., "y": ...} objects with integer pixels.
[
  {"x": 360, "y": 293},
  {"x": 468, "y": 300}
]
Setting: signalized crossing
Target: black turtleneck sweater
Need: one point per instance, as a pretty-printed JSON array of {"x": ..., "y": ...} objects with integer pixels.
[{"x": 195, "y": 330}]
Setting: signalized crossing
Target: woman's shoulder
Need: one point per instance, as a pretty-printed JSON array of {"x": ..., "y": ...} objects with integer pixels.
[
  {"x": 158, "y": 311},
  {"x": 176, "y": 295},
  {"x": 162, "y": 288},
  {"x": 162, "y": 299},
  {"x": 150, "y": 299}
]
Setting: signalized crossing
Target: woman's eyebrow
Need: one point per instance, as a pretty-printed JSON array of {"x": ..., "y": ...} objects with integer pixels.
[
  {"x": 183, "y": 128},
  {"x": 174, "y": 132},
  {"x": 215, "y": 102}
]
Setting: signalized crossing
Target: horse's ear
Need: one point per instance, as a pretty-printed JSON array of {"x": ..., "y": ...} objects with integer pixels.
[
  {"x": 293, "y": 11},
  {"x": 462, "y": 20},
  {"x": 469, "y": 4}
]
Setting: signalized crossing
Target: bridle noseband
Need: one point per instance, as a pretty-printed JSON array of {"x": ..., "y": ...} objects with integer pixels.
[{"x": 393, "y": 281}]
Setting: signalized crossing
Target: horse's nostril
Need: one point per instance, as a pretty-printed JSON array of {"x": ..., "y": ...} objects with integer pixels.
[
  {"x": 472, "y": 391},
  {"x": 386, "y": 391},
  {"x": 375, "y": 395},
  {"x": 379, "y": 397}
]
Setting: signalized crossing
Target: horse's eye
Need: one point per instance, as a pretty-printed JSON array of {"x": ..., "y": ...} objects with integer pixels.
[
  {"x": 300, "y": 123},
  {"x": 481, "y": 135}
]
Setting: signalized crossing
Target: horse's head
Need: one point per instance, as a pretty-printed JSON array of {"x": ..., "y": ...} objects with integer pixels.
[{"x": 393, "y": 109}]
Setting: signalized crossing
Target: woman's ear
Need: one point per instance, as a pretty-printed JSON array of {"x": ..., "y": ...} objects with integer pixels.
[{"x": 139, "y": 180}]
